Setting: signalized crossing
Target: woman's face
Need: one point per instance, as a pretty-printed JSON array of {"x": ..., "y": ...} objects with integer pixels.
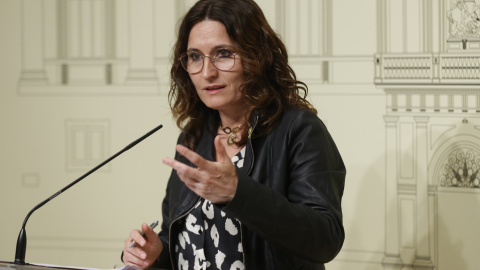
[{"x": 219, "y": 90}]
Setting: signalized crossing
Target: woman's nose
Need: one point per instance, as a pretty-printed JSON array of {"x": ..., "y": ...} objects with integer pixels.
[{"x": 209, "y": 70}]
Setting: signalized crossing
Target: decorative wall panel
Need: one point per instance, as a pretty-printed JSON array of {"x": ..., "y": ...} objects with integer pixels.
[
  {"x": 87, "y": 143},
  {"x": 85, "y": 45},
  {"x": 430, "y": 72}
]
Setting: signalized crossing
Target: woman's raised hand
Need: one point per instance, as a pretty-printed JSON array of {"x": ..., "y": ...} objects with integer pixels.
[{"x": 215, "y": 181}]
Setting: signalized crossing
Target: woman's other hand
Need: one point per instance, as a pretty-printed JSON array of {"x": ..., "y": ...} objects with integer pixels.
[{"x": 146, "y": 250}]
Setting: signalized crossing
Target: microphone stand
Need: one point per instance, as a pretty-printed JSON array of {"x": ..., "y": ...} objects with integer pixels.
[{"x": 22, "y": 236}]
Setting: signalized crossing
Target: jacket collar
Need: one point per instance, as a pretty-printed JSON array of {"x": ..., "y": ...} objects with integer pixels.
[{"x": 206, "y": 147}]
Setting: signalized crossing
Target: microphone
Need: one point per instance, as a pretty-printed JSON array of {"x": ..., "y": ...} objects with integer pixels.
[{"x": 22, "y": 236}]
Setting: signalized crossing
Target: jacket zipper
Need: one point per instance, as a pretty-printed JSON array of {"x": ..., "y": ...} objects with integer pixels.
[
  {"x": 250, "y": 144},
  {"x": 170, "y": 229},
  {"x": 248, "y": 173}
]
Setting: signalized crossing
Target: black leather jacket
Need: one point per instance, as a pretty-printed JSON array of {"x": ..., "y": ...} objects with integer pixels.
[{"x": 288, "y": 197}]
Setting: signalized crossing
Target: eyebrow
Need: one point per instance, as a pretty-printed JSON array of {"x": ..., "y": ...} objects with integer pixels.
[{"x": 221, "y": 46}]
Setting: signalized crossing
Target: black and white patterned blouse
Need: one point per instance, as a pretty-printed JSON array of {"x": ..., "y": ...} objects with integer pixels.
[{"x": 209, "y": 238}]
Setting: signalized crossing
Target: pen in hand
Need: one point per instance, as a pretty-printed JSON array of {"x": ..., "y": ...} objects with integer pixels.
[{"x": 153, "y": 225}]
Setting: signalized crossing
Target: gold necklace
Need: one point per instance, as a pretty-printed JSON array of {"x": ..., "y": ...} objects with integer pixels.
[{"x": 233, "y": 133}]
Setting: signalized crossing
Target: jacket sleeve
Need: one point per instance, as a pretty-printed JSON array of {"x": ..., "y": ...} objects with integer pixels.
[
  {"x": 164, "y": 261},
  {"x": 294, "y": 203}
]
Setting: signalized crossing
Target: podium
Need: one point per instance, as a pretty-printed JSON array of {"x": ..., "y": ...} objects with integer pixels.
[
  {"x": 4, "y": 265},
  {"x": 11, "y": 266}
]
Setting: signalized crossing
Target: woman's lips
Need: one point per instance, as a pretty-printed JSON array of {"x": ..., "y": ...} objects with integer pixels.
[{"x": 212, "y": 89}]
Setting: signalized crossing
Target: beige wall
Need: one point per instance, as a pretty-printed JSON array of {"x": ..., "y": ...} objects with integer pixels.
[{"x": 390, "y": 78}]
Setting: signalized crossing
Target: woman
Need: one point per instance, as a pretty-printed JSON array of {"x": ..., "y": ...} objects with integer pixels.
[{"x": 257, "y": 180}]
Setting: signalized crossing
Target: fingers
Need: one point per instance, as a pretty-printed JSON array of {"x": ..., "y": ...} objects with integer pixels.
[
  {"x": 213, "y": 180},
  {"x": 220, "y": 150},
  {"x": 134, "y": 255},
  {"x": 192, "y": 156},
  {"x": 149, "y": 232},
  {"x": 138, "y": 238},
  {"x": 186, "y": 173},
  {"x": 129, "y": 258},
  {"x": 198, "y": 160},
  {"x": 146, "y": 251}
]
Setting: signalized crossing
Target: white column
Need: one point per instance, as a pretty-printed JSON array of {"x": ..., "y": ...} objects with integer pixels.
[
  {"x": 394, "y": 20},
  {"x": 392, "y": 247},
  {"x": 33, "y": 72},
  {"x": 142, "y": 58},
  {"x": 422, "y": 258}
]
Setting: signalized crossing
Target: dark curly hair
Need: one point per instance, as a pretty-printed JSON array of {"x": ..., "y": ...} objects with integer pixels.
[{"x": 271, "y": 86}]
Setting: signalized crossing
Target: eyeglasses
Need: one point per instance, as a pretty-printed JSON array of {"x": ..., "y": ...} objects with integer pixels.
[{"x": 222, "y": 59}]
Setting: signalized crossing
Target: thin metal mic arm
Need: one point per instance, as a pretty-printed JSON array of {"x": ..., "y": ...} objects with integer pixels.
[{"x": 22, "y": 236}]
